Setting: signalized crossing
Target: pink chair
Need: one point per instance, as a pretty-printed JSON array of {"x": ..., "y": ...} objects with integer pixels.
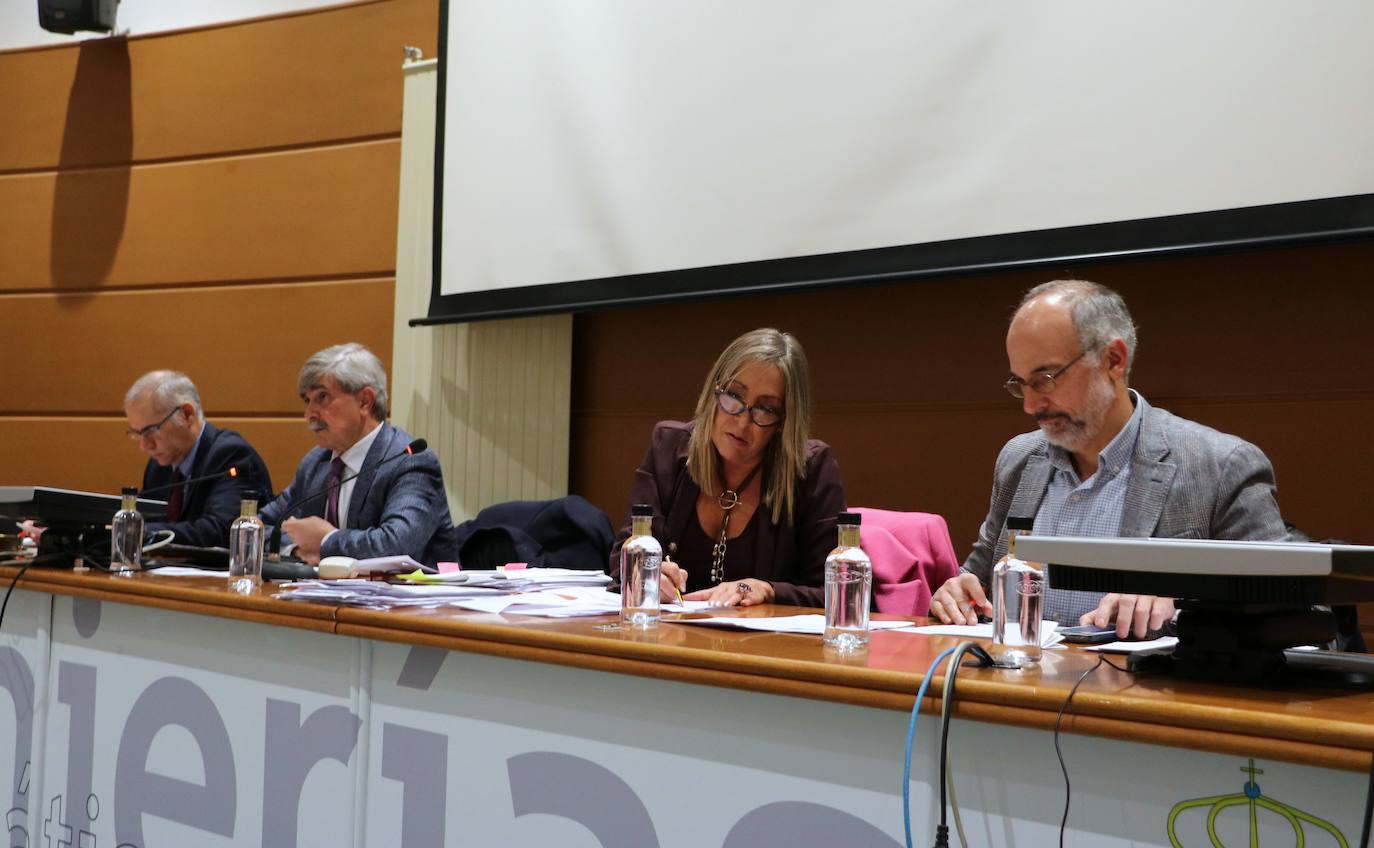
[{"x": 912, "y": 556}]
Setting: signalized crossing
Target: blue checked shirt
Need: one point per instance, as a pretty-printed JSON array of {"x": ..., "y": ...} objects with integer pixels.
[{"x": 1091, "y": 507}]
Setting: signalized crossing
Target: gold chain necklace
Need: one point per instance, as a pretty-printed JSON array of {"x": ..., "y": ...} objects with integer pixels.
[{"x": 728, "y": 500}]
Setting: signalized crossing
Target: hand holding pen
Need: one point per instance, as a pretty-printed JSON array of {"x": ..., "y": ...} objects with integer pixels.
[{"x": 672, "y": 578}]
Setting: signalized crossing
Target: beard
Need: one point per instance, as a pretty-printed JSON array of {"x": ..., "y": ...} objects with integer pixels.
[{"x": 1078, "y": 433}]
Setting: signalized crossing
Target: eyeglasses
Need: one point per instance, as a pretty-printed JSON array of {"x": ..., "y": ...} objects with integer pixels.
[
  {"x": 151, "y": 429},
  {"x": 732, "y": 404},
  {"x": 1042, "y": 382}
]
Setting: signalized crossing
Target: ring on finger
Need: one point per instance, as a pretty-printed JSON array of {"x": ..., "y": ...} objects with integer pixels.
[{"x": 744, "y": 588}]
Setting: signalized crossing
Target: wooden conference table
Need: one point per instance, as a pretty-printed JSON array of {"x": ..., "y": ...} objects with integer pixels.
[{"x": 494, "y": 718}]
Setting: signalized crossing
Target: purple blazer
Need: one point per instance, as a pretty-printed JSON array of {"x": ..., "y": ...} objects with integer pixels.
[{"x": 790, "y": 555}]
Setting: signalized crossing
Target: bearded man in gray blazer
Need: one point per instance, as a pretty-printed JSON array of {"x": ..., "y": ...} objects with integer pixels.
[
  {"x": 389, "y": 509},
  {"x": 1104, "y": 461}
]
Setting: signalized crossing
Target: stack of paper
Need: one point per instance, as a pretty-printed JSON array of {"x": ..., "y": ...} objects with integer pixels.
[
  {"x": 372, "y": 594},
  {"x": 521, "y": 580},
  {"x": 549, "y": 595},
  {"x": 1049, "y": 631}
]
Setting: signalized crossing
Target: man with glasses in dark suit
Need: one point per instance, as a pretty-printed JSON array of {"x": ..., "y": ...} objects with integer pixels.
[
  {"x": 165, "y": 419},
  {"x": 1104, "y": 462}
]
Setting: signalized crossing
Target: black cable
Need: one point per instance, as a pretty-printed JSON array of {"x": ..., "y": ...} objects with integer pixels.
[
  {"x": 1368, "y": 807},
  {"x": 25, "y": 567},
  {"x": 1058, "y": 722},
  {"x": 946, "y": 713},
  {"x": 951, "y": 673}
]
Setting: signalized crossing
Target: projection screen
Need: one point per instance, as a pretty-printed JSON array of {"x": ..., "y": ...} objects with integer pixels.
[{"x": 604, "y": 152}]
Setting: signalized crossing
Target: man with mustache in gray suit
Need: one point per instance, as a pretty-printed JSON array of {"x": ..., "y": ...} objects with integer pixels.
[
  {"x": 388, "y": 509},
  {"x": 1104, "y": 461}
]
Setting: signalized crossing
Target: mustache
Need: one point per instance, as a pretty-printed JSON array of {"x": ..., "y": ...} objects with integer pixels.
[
  {"x": 315, "y": 426},
  {"x": 1050, "y": 416}
]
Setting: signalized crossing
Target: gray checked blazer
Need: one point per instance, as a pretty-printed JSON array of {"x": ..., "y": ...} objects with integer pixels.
[
  {"x": 398, "y": 508},
  {"x": 1187, "y": 481}
]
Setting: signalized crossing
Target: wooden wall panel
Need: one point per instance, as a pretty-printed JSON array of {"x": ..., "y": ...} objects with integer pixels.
[
  {"x": 93, "y": 454},
  {"x": 277, "y": 82},
  {"x": 316, "y": 212},
  {"x": 1270, "y": 345},
  {"x": 242, "y": 345},
  {"x": 220, "y": 200}
]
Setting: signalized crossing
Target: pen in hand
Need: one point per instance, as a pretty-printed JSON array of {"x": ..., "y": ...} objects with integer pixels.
[{"x": 668, "y": 558}]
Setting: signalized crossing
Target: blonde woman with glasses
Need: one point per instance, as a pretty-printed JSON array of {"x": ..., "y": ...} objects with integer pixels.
[{"x": 744, "y": 501}]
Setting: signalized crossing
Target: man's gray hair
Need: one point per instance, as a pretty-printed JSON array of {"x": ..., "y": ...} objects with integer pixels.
[
  {"x": 1099, "y": 315},
  {"x": 354, "y": 367},
  {"x": 165, "y": 389}
]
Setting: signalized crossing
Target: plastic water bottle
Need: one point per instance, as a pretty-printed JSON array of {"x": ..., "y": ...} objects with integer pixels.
[
  {"x": 848, "y": 589},
  {"x": 246, "y": 536},
  {"x": 1018, "y": 598},
  {"x": 126, "y": 534},
  {"x": 640, "y": 559}
]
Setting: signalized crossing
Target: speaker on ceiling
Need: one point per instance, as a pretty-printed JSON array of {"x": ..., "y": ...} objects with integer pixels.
[{"x": 70, "y": 16}]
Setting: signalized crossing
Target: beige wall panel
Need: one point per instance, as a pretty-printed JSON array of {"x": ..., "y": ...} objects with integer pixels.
[
  {"x": 241, "y": 344},
  {"x": 492, "y": 398},
  {"x": 94, "y": 455},
  {"x": 312, "y": 213},
  {"x": 302, "y": 79}
]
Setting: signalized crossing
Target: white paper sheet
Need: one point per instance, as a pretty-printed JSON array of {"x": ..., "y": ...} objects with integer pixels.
[
  {"x": 812, "y": 624},
  {"x": 1049, "y": 631}
]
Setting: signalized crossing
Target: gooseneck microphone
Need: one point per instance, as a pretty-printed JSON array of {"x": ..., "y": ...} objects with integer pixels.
[
  {"x": 274, "y": 546},
  {"x": 231, "y": 471}
]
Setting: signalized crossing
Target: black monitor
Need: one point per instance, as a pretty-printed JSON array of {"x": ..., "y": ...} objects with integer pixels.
[
  {"x": 1245, "y": 607},
  {"x": 77, "y": 523},
  {"x": 67, "y": 508}
]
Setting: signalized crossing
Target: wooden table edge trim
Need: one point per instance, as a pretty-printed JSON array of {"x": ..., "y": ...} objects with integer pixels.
[
  {"x": 621, "y": 665},
  {"x": 1216, "y": 742},
  {"x": 869, "y": 679},
  {"x": 195, "y": 607},
  {"x": 66, "y": 582}
]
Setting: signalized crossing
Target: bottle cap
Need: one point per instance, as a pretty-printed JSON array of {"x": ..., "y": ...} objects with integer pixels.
[
  {"x": 851, "y": 518},
  {"x": 1021, "y": 523},
  {"x": 129, "y": 490},
  {"x": 642, "y": 511}
]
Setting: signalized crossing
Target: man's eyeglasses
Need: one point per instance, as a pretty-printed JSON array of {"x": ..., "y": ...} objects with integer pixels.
[
  {"x": 732, "y": 404},
  {"x": 151, "y": 429},
  {"x": 1042, "y": 381}
]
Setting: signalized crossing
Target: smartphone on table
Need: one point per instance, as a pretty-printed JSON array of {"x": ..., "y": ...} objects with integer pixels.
[{"x": 1086, "y": 634}]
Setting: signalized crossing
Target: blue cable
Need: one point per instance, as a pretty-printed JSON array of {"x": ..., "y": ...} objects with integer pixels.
[{"x": 910, "y": 737}]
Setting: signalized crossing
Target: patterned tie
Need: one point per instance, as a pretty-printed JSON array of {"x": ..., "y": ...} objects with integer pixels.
[
  {"x": 331, "y": 510},
  {"x": 174, "y": 497}
]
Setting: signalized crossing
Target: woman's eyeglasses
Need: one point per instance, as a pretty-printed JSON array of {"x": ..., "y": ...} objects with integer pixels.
[{"x": 761, "y": 414}]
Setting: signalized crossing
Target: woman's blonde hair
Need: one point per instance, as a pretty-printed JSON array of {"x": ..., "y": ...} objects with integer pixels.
[{"x": 785, "y": 460}]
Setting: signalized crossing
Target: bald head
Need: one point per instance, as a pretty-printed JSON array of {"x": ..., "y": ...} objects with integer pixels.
[{"x": 1095, "y": 314}]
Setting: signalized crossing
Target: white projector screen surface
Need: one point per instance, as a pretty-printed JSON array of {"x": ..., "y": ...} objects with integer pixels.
[{"x": 609, "y": 151}]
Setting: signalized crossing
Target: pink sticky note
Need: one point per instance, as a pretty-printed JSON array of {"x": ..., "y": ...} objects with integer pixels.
[
  {"x": 447, "y": 567},
  {"x": 516, "y": 566}
]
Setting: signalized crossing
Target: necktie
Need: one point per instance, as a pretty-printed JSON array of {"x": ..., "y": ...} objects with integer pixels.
[
  {"x": 174, "y": 496},
  {"x": 331, "y": 510}
]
